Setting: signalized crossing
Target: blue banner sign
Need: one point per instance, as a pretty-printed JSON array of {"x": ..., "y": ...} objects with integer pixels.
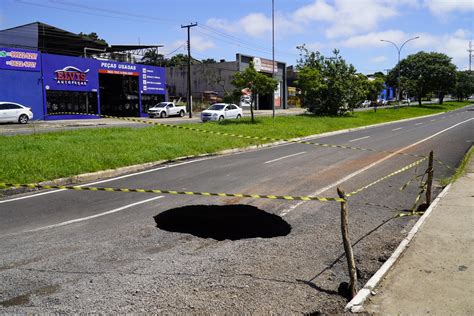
[
  {"x": 152, "y": 80},
  {"x": 19, "y": 59},
  {"x": 70, "y": 73}
]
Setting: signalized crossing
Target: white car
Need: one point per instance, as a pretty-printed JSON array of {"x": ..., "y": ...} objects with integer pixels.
[
  {"x": 165, "y": 109},
  {"x": 221, "y": 111},
  {"x": 14, "y": 112}
]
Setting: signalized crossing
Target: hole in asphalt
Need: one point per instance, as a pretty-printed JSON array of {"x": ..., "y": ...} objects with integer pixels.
[{"x": 232, "y": 222}]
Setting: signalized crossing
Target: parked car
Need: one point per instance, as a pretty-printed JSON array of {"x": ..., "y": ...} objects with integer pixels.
[
  {"x": 15, "y": 112},
  {"x": 382, "y": 102},
  {"x": 366, "y": 103},
  {"x": 165, "y": 109},
  {"x": 221, "y": 111}
]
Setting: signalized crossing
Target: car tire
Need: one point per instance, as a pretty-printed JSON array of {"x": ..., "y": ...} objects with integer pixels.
[
  {"x": 181, "y": 113},
  {"x": 238, "y": 117},
  {"x": 23, "y": 119},
  {"x": 221, "y": 118},
  {"x": 163, "y": 114}
]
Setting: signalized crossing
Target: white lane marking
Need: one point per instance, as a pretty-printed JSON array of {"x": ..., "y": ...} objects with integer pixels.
[
  {"x": 360, "y": 138},
  {"x": 433, "y": 120},
  {"x": 322, "y": 190},
  {"x": 270, "y": 161},
  {"x": 93, "y": 216},
  {"x": 443, "y": 117},
  {"x": 107, "y": 180},
  {"x": 396, "y": 129},
  {"x": 418, "y": 124}
]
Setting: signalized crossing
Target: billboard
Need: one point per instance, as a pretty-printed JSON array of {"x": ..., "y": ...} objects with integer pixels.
[
  {"x": 70, "y": 73},
  {"x": 151, "y": 79},
  {"x": 19, "y": 59}
]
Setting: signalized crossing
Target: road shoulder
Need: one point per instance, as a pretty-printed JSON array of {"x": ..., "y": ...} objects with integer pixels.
[{"x": 434, "y": 275}]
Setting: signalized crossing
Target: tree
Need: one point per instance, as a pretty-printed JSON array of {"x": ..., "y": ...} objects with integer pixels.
[
  {"x": 93, "y": 37},
  {"x": 426, "y": 72},
  {"x": 464, "y": 85},
  {"x": 329, "y": 85},
  {"x": 209, "y": 61},
  {"x": 151, "y": 57},
  {"x": 257, "y": 83},
  {"x": 373, "y": 88}
]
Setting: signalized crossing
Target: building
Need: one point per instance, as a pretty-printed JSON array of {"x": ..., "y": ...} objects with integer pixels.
[
  {"x": 46, "y": 68},
  {"x": 217, "y": 77}
]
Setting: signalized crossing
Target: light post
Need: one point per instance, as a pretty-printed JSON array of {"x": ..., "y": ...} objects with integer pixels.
[
  {"x": 273, "y": 56},
  {"x": 399, "y": 49}
]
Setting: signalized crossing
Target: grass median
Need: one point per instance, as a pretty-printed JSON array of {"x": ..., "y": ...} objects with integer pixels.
[{"x": 40, "y": 157}]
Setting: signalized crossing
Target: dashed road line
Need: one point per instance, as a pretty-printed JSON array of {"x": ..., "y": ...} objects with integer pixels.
[
  {"x": 360, "y": 138},
  {"x": 418, "y": 123},
  {"x": 434, "y": 120},
  {"x": 355, "y": 173},
  {"x": 284, "y": 157},
  {"x": 397, "y": 129}
]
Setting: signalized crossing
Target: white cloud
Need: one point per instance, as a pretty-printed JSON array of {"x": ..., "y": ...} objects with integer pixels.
[
  {"x": 444, "y": 7},
  {"x": 347, "y": 17},
  {"x": 378, "y": 59},
  {"x": 257, "y": 25},
  {"x": 373, "y": 39},
  {"x": 201, "y": 44},
  {"x": 317, "y": 11}
]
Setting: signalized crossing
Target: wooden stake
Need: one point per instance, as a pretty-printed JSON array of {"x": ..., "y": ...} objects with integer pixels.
[
  {"x": 429, "y": 180},
  {"x": 347, "y": 245}
]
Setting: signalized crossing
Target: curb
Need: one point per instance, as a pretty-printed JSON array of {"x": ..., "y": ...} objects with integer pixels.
[
  {"x": 109, "y": 173},
  {"x": 356, "y": 304}
]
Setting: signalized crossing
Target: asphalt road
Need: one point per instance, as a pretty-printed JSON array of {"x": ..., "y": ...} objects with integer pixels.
[{"x": 79, "y": 251}]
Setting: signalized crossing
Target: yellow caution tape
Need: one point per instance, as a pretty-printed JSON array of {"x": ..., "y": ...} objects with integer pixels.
[
  {"x": 250, "y": 137},
  {"x": 157, "y": 191},
  {"x": 410, "y": 214},
  {"x": 407, "y": 167}
]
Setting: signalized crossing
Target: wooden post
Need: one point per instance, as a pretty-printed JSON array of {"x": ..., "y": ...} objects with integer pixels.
[
  {"x": 429, "y": 180},
  {"x": 347, "y": 245}
]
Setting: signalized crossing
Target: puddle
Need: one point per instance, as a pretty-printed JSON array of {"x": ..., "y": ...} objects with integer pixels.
[{"x": 232, "y": 222}]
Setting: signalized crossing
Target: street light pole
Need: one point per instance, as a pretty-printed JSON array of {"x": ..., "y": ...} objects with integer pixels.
[
  {"x": 399, "y": 49},
  {"x": 273, "y": 55}
]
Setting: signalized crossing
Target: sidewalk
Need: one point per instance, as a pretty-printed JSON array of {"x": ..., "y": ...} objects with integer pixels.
[{"x": 436, "y": 273}]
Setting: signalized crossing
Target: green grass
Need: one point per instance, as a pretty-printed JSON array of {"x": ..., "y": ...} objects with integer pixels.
[
  {"x": 40, "y": 157},
  {"x": 459, "y": 170}
]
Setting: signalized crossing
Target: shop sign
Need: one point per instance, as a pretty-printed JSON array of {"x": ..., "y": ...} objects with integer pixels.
[
  {"x": 152, "y": 80},
  {"x": 19, "y": 59},
  {"x": 116, "y": 68},
  {"x": 70, "y": 73},
  {"x": 264, "y": 65}
]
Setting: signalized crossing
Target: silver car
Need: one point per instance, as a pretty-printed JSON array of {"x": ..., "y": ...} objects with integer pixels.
[{"x": 14, "y": 112}]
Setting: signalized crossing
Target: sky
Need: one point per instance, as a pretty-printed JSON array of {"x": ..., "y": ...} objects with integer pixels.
[{"x": 355, "y": 27}]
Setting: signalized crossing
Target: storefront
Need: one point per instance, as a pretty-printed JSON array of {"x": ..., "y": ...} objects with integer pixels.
[{"x": 82, "y": 85}]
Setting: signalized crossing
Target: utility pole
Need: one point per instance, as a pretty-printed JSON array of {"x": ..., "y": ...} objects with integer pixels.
[
  {"x": 190, "y": 97},
  {"x": 470, "y": 50}
]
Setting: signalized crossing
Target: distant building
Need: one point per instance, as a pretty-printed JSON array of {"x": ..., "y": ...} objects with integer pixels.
[
  {"x": 44, "y": 68},
  {"x": 217, "y": 77}
]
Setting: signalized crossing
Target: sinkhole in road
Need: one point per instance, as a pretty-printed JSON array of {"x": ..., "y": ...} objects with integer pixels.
[{"x": 218, "y": 222}]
